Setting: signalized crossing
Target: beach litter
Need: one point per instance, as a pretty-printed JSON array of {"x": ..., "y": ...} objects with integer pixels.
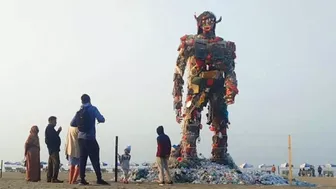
[{"x": 207, "y": 172}]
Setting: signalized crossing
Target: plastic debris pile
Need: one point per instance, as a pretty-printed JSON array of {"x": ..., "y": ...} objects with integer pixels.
[{"x": 207, "y": 172}]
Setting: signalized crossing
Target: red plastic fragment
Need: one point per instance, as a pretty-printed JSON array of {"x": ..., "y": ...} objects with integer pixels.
[
  {"x": 199, "y": 63},
  {"x": 188, "y": 98},
  {"x": 210, "y": 82}
]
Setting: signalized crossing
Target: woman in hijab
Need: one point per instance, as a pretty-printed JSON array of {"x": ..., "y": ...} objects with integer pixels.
[
  {"x": 72, "y": 153},
  {"x": 32, "y": 156}
]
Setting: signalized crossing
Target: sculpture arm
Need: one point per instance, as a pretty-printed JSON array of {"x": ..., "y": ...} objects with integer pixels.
[
  {"x": 231, "y": 83},
  {"x": 180, "y": 67}
]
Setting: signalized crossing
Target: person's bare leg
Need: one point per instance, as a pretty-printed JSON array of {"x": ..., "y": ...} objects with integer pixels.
[
  {"x": 75, "y": 175},
  {"x": 71, "y": 173}
]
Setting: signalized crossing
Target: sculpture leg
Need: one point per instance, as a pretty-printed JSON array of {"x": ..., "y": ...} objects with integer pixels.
[
  {"x": 191, "y": 130},
  {"x": 219, "y": 127}
]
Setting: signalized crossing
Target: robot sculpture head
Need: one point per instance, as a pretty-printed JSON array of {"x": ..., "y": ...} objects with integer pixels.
[{"x": 206, "y": 22}]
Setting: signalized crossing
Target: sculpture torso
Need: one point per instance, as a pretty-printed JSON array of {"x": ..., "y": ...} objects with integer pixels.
[
  {"x": 213, "y": 53},
  {"x": 207, "y": 58}
]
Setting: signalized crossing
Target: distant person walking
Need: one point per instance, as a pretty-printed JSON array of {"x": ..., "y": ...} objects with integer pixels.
[
  {"x": 319, "y": 170},
  {"x": 85, "y": 120},
  {"x": 53, "y": 142},
  {"x": 32, "y": 156},
  {"x": 273, "y": 169},
  {"x": 162, "y": 155},
  {"x": 72, "y": 153}
]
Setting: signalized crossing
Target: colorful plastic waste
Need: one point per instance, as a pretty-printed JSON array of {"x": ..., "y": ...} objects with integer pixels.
[{"x": 207, "y": 172}]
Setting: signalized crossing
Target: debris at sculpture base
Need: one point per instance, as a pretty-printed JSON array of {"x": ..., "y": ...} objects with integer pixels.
[{"x": 206, "y": 172}]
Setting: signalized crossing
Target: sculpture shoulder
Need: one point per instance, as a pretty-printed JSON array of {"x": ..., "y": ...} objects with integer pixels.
[
  {"x": 187, "y": 38},
  {"x": 230, "y": 45},
  {"x": 186, "y": 41}
]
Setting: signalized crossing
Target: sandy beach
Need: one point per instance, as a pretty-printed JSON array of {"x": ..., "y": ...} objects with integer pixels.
[{"x": 16, "y": 180}]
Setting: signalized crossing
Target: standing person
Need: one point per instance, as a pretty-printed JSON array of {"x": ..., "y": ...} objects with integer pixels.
[
  {"x": 125, "y": 163},
  {"x": 85, "y": 120},
  {"x": 53, "y": 142},
  {"x": 72, "y": 153},
  {"x": 32, "y": 156},
  {"x": 162, "y": 155},
  {"x": 313, "y": 171},
  {"x": 273, "y": 169},
  {"x": 319, "y": 170}
]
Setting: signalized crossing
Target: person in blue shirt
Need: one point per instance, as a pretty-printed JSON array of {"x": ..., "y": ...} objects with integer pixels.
[{"x": 88, "y": 144}]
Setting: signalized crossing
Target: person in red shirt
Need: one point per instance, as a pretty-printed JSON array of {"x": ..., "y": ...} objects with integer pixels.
[{"x": 162, "y": 155}]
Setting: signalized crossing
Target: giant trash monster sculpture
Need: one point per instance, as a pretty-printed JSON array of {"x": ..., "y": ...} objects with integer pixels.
[{"x": 211, "y": 81}]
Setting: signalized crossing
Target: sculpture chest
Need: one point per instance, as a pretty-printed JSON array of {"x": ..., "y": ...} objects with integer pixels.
[{"x": 211, "y": 54}]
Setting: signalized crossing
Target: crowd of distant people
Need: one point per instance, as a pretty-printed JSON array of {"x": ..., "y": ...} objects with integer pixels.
[
  {"x": 81, "y": 144},
  {"x": 310, "y": 171}
]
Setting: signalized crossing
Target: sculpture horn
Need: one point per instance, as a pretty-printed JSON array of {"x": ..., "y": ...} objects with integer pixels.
[
  {"x": 195, "y": 16},
  {"x": 219, "y": 20}
]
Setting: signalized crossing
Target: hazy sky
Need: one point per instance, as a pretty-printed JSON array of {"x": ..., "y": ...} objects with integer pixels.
[{"x": 122, "y": 53}]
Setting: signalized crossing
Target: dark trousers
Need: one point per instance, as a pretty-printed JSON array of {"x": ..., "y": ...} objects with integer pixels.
[
  {"x": 89, "y": 148},
  {"x": 53, "y": 166}
]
